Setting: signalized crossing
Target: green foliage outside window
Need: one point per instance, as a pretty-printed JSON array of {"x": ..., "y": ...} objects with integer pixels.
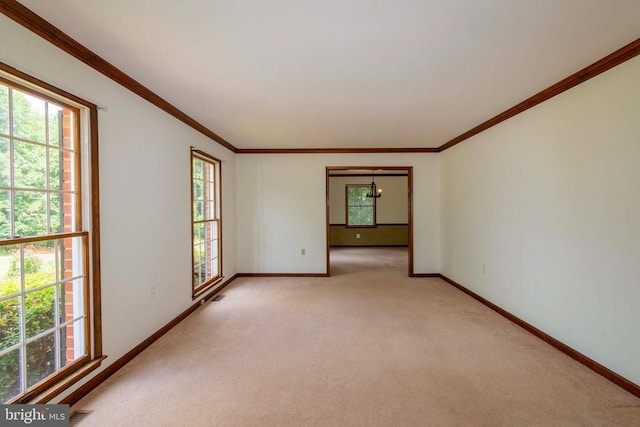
[
  {"x": 30, "y": 165},
  {"x": 29, "y": 123},
  {"x": 39, "y": 317},
  {"x": 360, "y": 208}
]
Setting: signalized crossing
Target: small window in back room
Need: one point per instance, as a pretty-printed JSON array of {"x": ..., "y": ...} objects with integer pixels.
[{"x": 361, "y": 210}]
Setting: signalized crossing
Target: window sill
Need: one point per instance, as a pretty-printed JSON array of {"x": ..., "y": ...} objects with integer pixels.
[
  {"x": 204, "y": 288},
  {"x": 46, "y": 395}
]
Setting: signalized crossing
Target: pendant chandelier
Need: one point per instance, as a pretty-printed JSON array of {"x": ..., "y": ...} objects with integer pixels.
[{"x": 374, "y": 191}]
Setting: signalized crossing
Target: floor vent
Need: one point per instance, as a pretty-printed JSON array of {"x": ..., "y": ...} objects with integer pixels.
[
  {"x": 217, "y": 298},
  {"x": 77, "y": 417}
]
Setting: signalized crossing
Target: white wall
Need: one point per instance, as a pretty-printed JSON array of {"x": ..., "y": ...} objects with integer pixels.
[
  {"x": 145, "y": 194},
  {"x": 549, "y": 201},
  {"x": 391, "y": 208},
  {"x": 283, "y": 209}
]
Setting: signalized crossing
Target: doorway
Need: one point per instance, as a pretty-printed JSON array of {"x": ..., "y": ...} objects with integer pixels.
[{"x": 390, "y": 226}]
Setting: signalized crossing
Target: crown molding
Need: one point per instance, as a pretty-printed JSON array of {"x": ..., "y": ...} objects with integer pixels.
[
  {"x": 608, "y": 62},
  {"x": 336, "y": 150}
]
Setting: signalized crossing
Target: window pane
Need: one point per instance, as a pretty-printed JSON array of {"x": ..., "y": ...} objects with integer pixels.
[
  {"x": 5, "y": 180},
  {"x": 209, "y": 210},
  {"x": 72, "y": 342},
  {"x": 29, "y": 165},
  {"x": 65, "y": 302},
  {"x": 71, "y": 294},
  {"x": 198, "y": 190},
  {"x": 55, "y": 124},
  {"x": 10, "y": 315},
  {"x": 30, "y": 213},
  {"x": 55, "y": 214},
  {"x": 358, "y": 196},
  {"x": 68, "y": 258},
  {"x": 40, "y": 311},
  {"x": 68, "y": 171},
  {"x": 10, "y": 269},
  {"x": 38, "y": 266},
  {"x": 68, "y": 212},
  {"x": 5, "y": 214},
  {"x": 360, "y": 215},
  {"x": 198, "y": 211},
  {"x": 209, "y": 174},
  {"x": 197, "y": 168},
  {"x": 11, "y": 384},
  {"x": 28, "y": 117},
  {"x": 4, "y": 109},
  {"x": 211, "y": 234},
  {"x": 198, "y": 232},
  {"x": 68, "y": 127},
  {"x": 40, "y": 359},
  {"x": 55, "y": 169}
]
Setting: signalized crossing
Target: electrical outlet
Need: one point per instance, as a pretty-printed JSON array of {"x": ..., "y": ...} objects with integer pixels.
[
  {"x": 357, "y": 235},
  {"x": 303, "y": 251},
  {"x": 484, "y": 269},
  {"x": 153, "y": 293}
]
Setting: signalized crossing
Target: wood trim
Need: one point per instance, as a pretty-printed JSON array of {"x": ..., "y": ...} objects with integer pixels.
[
  {"x": 410, "y": 208},
  {"x": 282, "y": 275},
  {"x": 574, "y": 354},
  {"x": 425, "y": 275},
  {"x": 376, "y": 168},
  {"x": 94, "y": 382},
  {"x": 327, "y": 225},
  {"x": 347, "y": 175},
  {"x": 409, "y": 171},
  {"x": 57, "y": 236},
  {"x": 370, "y": 246},
  {"x": 379, "y": 225},
  {"x": 41, "y": 27},
  {"x": 616, "y": 58},
  {"x": 96, "y": 281},
  {"x": 337, "y": 150},
  {"x": 85, "y": 370}
]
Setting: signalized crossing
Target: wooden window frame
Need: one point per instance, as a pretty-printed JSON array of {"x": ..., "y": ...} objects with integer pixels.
[
  {"x": 347, "y": 206},
  {"x": 84, "y": 140},
  {"x": 198, "y": 289}
]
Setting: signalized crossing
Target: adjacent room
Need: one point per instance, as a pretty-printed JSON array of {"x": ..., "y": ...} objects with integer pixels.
[{"x": 321, "y": 213}]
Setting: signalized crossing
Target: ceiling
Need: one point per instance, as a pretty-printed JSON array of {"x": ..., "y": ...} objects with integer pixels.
[{"x": 345, "y": 73}]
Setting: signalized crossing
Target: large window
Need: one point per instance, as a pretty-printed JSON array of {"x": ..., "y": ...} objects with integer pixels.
[
  {"x": 45, "y": 248},
  {"x": 206, "y": 227},
  {"x": 361, "y": 210}
]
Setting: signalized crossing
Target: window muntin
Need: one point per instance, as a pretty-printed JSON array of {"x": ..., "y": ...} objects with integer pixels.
[
  {"x": 206, "y": 222},
  {"x": 44, "y": 284},
  {"x": 360, "y": 209}
]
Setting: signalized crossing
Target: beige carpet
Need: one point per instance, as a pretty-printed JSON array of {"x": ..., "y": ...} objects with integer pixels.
[{"x": 365, "y": 347}]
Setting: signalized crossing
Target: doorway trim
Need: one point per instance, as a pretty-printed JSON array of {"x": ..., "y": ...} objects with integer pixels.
[{"x": 408, "y": 170}]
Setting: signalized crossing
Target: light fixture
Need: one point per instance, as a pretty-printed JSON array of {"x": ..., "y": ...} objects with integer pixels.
[{"x": 374, "y": 191}]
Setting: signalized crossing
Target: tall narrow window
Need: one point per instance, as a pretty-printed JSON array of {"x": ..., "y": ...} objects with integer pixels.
[
  {"x": 45, "y": 294},
  {"x": 361, "y": 210},
  {"x": 206, "y": 227}
]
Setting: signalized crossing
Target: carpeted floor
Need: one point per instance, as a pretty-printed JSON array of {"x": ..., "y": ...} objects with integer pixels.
[{"x": 366, "y": 347}]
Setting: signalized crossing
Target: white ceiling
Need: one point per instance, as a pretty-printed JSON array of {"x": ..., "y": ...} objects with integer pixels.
[{"x": 345, "y": 73}]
